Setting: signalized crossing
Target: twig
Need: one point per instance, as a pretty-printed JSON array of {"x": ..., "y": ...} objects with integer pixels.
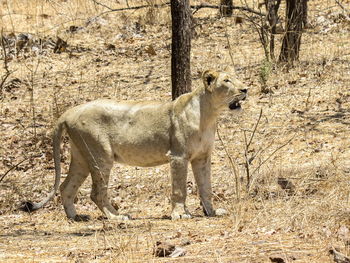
[
  {"x": 242, "y": 8},
  {"x": 9, "y": 170},
  {"x": 32, "y": 84},
  {"x": 246, "y": 149},
  {"x": 233, "y": 166},
  {"x": 246, "y": 165},
  {"x": 98, "y": 3},
  {"x": 342, "y": 7},
  {"x": 307, "y": 100},
  {"x": 195, "y": 7},
  {"x": 273, "y": 153},
  {"x": 254, "y": 130},
  {"x": 269, "y": 157},
  {"x": 129, "y": 7},
  {"x": 229, "y": 45}
]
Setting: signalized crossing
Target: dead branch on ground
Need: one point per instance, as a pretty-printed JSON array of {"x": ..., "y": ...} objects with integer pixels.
[{"x": 12, "y": 168}]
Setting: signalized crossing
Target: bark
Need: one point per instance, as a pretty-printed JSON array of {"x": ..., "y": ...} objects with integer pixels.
[
  {"x": 295, "y": 15},
  {"x": 272, "y": 7},
  {"x": 226, "y": 8},
  {"x": 305, "y": 20},
  {"x": 180, "y": 47}
]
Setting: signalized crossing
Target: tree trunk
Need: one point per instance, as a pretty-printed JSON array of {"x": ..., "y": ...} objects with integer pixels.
[
  {"x": 295, "y": 14},
  {"x": 305, "y": 20},
  {"x": 226, "y": 8},
  {"x": 272, "y": 7},
  {"x": 180, "y": 47}
]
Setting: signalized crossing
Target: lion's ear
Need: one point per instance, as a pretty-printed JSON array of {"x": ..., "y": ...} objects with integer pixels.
[{"x": 209, "y": 78}]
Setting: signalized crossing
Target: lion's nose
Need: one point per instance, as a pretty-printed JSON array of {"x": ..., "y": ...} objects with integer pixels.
[{"x": 244, "y": 90}]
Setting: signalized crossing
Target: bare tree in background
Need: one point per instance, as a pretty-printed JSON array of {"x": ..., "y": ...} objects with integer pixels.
[
  {"x": 226, "y": 8},
  {"x": 180, "y": 47},
  {"x": 295, "y": 18}
]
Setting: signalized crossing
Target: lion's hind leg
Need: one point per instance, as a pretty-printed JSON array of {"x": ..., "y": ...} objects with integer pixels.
[{"x": 78, "y": 171}]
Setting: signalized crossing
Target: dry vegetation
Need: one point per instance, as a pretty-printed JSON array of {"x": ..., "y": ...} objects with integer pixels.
[{"x": 297, "y": 207}]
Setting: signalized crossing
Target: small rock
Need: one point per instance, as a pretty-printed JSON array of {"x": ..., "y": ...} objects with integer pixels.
[
  {"x": 277, "y": 259},
  {"x": 178, "y": 252},
  {"x": 221, "y": 212}
]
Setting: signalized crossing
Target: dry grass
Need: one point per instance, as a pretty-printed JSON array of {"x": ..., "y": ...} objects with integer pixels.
[{"x": 110, "y": 57}]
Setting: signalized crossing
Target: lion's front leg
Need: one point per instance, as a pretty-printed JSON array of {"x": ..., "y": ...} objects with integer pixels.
[
  {"x": 202, "y": 173},
  {"x": 178, "y": 167}
]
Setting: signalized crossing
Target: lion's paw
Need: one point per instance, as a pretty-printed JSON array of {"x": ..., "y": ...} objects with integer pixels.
[
  {"x": 180, "y": 212},
  {"x": 176, "y": 216},
  {"x": 120, "y": 217},
  {"x": 82, "y": 218}
]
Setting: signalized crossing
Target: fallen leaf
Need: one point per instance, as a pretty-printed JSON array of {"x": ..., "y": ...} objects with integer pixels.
[{"x": 150, "y": 50}]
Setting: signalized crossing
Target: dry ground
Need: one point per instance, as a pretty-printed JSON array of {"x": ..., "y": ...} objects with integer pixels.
[{"x": 303, "y": 136}]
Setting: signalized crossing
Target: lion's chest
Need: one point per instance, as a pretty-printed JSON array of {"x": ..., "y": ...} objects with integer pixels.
[{"x": 201, "y": 143}]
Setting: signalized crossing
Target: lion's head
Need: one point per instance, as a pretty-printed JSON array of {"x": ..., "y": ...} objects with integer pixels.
[{"x": 226, "y": 89}]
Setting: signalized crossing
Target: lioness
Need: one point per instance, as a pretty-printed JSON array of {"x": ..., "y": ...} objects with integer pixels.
[{"x": 144, "y": 134}]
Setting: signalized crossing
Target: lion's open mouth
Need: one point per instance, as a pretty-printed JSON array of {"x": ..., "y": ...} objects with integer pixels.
[{"x": 235, "y": 105}]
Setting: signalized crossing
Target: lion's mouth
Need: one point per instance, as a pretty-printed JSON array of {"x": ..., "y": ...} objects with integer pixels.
[{"x": 236, "y": 104}]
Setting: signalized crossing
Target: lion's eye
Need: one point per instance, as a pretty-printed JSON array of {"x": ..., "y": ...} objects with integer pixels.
[{"x": 227, "y": 80}]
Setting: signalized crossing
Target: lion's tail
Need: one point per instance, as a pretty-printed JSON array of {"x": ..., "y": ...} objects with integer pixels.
[{"x": 29, "y": 206}]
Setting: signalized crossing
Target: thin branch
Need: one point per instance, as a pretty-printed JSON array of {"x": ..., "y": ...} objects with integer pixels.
[
  {"x": 268, "y": 158},
  {"x": 246, "y": 161},
  {"x": 254, "y": 130},
  {"x": 9, "y": 170},
  {"x": 229, "y": 45},
  {"x": 195, "y": 7},
  {"x": 129, "y": 7},
  {"x": 101, "y": 4},
  {"x": 273, "y": 153},
  {"x": 233, "y": 166},
  {"x": 242, "y": 8},
  {"x": 246, "y": 150},
  {"x": 342, "y": 7}
]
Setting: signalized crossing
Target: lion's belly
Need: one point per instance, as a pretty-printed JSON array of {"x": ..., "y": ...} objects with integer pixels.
[
  {"x": 142, "y": 149},
  {"x": 142, "y": 144},
  {"x": 135, "y": 156}
]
